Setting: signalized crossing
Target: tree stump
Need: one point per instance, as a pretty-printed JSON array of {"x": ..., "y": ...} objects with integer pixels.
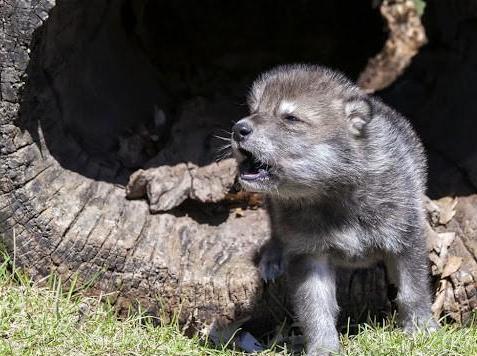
[{"x": 86, "y": 100}]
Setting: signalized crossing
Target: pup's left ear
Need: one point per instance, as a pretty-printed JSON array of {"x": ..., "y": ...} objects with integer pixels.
[{"x": 358, "y": 113}]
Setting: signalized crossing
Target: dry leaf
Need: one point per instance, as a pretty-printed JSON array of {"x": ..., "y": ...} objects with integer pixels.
[
  {"x": 447, "y": 209},
  {"x": 453, "y": 264},
  {"x": 439, "y": 301},
  {"x": 445, "y": 240},
  {"x": 432, "y": 210}
]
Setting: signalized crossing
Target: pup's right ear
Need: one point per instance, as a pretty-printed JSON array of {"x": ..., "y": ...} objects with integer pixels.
[
  {"x": 256, "y": 92},
  {"x": 358, "y": 114}
]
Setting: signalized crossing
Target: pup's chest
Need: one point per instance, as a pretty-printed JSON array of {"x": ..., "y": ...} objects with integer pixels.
[{"x": 302, "y": 233}]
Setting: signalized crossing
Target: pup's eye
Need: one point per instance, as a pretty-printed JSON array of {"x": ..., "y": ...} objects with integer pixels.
[{"x": 291, "y": 118}]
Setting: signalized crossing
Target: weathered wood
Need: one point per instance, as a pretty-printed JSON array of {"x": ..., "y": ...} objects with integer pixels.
[
  {"x": 168, "y": 187},
  {"x": 406, "y": 36},
  {"x": 63, "y": 208},
  {"x": 62, "y": 195}
]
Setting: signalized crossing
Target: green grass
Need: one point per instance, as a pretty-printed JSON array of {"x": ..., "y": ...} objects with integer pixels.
[
  {"x": 389, "y": 340},
  {"x": 48, "y": 321}
]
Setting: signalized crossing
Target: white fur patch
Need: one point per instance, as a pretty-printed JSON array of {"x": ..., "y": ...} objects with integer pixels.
[
  {"x": 321, "y": 285},
  {"x": 348, "y": 240},
  {"x": 287, "y": 107},
  {"x": 319, "y": 160},
  {"x": 324, "y": 157}
]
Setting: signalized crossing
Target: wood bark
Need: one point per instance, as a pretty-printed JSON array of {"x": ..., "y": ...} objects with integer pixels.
[{"x": 63, "y": 208}]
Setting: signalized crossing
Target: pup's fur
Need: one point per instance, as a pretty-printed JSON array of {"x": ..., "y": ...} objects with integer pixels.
[{"x": 345, "y": 178}]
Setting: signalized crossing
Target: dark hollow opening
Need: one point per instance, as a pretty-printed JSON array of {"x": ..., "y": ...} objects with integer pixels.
[
  {"x": 437, "y": 91},
  {"x": 116, "y": 86}
]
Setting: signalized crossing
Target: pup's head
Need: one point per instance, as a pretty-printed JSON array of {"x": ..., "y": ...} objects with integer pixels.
[{"x": 303, "y": 132}]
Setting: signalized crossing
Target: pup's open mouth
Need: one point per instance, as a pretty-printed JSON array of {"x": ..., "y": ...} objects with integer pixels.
[{"x": 252, "y": 169}]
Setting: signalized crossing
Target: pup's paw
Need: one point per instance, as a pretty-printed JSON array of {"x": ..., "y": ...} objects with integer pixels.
[
  {"x": 271, "y": 265},
  {"x": 412, "y": 327}
]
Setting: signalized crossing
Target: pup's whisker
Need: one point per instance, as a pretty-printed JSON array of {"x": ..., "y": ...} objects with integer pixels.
[{"x": 222, "y": 138}]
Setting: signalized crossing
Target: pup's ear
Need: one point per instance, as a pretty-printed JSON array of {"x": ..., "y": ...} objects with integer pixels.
[{"x": 358, "y": 114}]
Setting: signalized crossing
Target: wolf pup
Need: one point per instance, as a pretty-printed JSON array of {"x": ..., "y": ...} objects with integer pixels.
[{"x": 344, "y": 177}]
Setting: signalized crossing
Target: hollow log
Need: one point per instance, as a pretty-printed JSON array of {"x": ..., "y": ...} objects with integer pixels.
[{"x": 93, "y": 91}]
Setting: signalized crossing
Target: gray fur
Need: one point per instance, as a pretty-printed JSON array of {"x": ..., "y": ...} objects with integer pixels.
[{"x": 345, "y": 187}]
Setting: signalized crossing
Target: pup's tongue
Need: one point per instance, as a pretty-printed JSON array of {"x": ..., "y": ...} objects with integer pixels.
[
  {"x": 251, "y": 169},
  {"x": 262, "y": 173}
]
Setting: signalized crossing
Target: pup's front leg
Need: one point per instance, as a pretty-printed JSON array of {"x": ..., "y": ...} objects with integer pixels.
[
  {"x": 312, "y": 283},
  {"x": 272, "y": 264},
  {"x": 409, "y": 272}
]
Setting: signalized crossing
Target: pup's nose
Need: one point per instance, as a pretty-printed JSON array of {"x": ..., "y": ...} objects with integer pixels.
[{"x": 241, "y": 130}]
